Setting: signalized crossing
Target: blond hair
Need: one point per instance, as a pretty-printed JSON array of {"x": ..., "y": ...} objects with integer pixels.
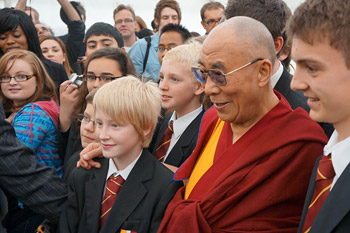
[
  {"x": 188, "y": 54},
  {"x": 130, "y": 100}
]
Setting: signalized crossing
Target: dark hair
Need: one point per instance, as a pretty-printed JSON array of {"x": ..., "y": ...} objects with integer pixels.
[
  {"x": 80, "y": 8},
  {"x": 274, "y": 14},
  {"x": 210, "y": 6},
  {"x": 323, "y": 21},
  {"x": 185, "y": 34},
  {"x": 144, "y": 32},
  {"x": 121, "y": 7},
  {"x": 153, "y": 24},
  {"x": 105, "y": 29},
  {"x": 116, "y": 54},
  {"x": 10, "y": 19},
  {"x": 167, "y": 3}
]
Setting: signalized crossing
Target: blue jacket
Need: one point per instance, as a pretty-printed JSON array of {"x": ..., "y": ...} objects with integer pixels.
[{"x": 137, "y": 54}]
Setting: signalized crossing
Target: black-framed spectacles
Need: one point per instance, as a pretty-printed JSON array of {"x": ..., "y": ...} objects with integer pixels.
[
  {"x": 162, "y": 49},
  {"x": 212, "y": 22},
  {"x": 17, "y": 78},
  {"x": 92, "y": 78},
  {"x": 217, "y": 76},
  {"x": 85, "y": 119}
]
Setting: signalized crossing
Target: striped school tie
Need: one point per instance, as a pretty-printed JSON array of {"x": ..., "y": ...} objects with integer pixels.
[
  {"x": 112, "y": 189},
  {"x": 324, "y": 179},
  {"x": 164, "y": 143}
]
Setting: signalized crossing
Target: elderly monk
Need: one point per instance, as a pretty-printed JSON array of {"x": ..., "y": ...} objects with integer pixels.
[{"x": 250, "y": 169}]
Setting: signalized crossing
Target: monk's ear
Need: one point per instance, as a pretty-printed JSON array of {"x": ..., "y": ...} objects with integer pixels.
[{"x": 265, "y": 71}]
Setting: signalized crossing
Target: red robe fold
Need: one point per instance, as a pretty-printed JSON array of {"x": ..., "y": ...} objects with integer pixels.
[{"x": 257, "y": 184}]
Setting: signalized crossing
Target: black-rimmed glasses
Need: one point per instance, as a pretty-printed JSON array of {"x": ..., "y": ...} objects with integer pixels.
[
  {"x": 162, "y": 49},
  {"x": 85, "y": 119},
  {"x": 217, "y": 76},
  {"x": 92, "y": 78},
  {"x": 17, "y": 78},
  {"x": 212, "y": 22}
]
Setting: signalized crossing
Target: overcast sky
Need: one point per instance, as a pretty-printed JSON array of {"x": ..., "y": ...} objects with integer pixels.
[{"x": 102, "y": 11}]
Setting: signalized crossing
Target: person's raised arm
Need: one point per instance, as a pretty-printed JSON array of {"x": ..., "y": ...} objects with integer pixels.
[
  {"x": 67, "y": 7},
  {"x": 21, "y": 5}
]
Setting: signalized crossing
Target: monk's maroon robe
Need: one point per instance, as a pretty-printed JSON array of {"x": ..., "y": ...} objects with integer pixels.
[{"x": 257, "y": 184}]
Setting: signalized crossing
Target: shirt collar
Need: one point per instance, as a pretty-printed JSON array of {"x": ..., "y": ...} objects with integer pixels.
[
  {"x": 339, "y": 151},
  {"x": 112, "y": 169},
  {"x": 180, "y": 124},
  {"x": 276, "y": 76}
]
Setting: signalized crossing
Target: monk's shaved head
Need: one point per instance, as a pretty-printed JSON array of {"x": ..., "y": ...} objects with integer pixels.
[{"x": 247, "y": 34}]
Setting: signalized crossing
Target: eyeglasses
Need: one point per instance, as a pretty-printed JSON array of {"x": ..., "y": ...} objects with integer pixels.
[
  {"x": 17, "y": 78},
  {"x": 120, "y": 21},
  {"x": 92, "y": 78},
  {"x": 212, "y": 22},
  {"x": 217, "y": 76},
  {"x": 85, "y": 119},
  {"x": 162, "y": 49}
]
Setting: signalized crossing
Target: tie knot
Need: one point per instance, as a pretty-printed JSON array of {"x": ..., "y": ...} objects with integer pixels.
[{"x": 325, "y": 168}]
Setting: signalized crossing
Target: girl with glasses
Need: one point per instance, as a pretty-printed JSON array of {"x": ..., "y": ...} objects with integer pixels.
[{"x": 29, "y": 98}]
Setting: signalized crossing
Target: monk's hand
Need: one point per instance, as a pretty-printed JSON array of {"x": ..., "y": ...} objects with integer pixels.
[
  {"x": 172, "y": 168},
  {"x": 93, "y": 150}
]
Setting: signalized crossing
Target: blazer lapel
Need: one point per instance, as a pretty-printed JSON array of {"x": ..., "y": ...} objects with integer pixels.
[
  {"x": 179, "y": 152},
  {"x": 161, "y": 132},
  {"x": 336, "y": 206},
  {"x": 131, "y": 194},
  {"x": 94, "y": 191}
]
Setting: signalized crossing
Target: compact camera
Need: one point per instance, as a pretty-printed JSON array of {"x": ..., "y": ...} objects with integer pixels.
[{"x": 76, "y": 79}]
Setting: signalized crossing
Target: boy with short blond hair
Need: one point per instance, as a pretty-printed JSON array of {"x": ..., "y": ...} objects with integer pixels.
[
  {"x": 132, "y": 189},
  {"x": 182, "y": 93}
]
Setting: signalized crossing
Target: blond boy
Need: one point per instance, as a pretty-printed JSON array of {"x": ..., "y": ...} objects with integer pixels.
[
  {"x": 132, "y": 189},
  {"x": 182, "y": 93}
]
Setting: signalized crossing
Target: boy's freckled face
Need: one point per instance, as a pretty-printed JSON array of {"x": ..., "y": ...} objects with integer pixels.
[
  {"x": 120, "y": 142},
  {"x": 177, "y": 86}
]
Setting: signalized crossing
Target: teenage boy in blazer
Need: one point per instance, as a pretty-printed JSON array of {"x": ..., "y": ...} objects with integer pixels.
[
  {"x": 182, "y": 93},
  {"x": 321, "y": 33},
  {"x": 126, "y": 112}
]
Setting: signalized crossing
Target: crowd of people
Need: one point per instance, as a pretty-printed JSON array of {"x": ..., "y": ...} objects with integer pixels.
[{"x": 119, "y": 128}]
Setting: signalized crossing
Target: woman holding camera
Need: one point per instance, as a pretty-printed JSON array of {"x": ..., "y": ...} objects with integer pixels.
[
  {"x": 102, "y": 66},
  {"x": 29, "y": 98}
]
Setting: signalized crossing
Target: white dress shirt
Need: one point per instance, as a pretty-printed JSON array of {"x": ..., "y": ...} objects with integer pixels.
[
  {"x": 276, "y": 76},
  {"x": 340, "y": 154},
  {"x": 112, "y": 170},
  {"x": 180, "y": 125}
]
